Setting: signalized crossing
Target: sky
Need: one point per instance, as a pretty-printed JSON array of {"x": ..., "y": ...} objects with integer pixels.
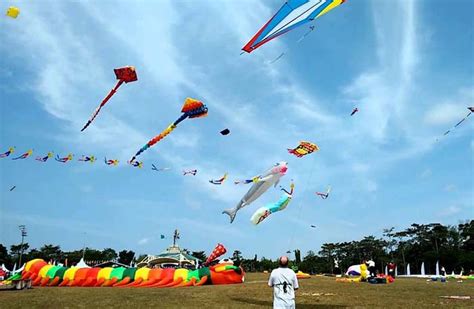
[{"x": 407, "y": 65}]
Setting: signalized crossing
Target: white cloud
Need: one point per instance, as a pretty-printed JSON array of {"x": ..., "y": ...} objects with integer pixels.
[
  {"x": 143, "y": 241},
  {"x": 426, "y": 173},
  {"x": 449, "y": 211},
  {"x": 445, "y": 114},
  {"x": 450, "y": 188}
]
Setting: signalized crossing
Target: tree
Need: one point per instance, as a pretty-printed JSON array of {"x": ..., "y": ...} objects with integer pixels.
[
  {"x": 109, "y": 254},
  {"x": 237, "y": 257},
  {"x": 126, "y": 257},
  {"x": 4, "y": 257},
  {"x": 15, "y": 251},
  {"x": 50, "y": 252},
  {"x": 200, "y": 255}
]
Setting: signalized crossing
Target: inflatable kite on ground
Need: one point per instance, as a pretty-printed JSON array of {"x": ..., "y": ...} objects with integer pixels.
[
  {"x": 25, "y": 155},
  {"x": 44, "y": 274},
  {"x": 259, "y": 186},
  {"x": 65, "y": 159},
  {"x": 292, "y": 14},
  {"x": 471, "y": 110},
  {"x": 324, "y": 195},
  {"x": 13, "y": 12},
  {"x": 217, "y": 252},
  {"x": 225, "y": 131},
  {"x": 302, "y": 275},
  {"x": 303, "y": 149},
  {"x": 192, "y": 108},
  {"x": 125, "y": 74},
  {"x": 263, "y": 212},
  {"x": 45, "y": 158},
  {"x": 111, "y": 162},
  {"x": 219, "y": 181},
  {"x": 355, "y": 110},
  {"x": 7, "y": 153},
  {"x": 154, "y": 168},
  {"x": 190, "y": 172},
  {"x": 90, "y": 159},
  {"x": 136, "y": 164}
]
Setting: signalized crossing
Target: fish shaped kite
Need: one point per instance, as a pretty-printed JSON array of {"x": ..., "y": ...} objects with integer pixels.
[
  {"x": 259, "y": 186},
  {"x": 355, "y": 110},
  {"x": 263, "y": 212},
  {"x": 24, "y": 156},
  {"x": 45, "y": 158},
  {"x": 292, "y": 14},
  {"x": 324, "y": 195},
  {"x": 154, "y": 168},
  {"x": 471, "y": 110},
  {"x": 192, "y": 108},
  {"x": 219, "y": 181},
  {"x": 13, "y": 12},
  {"x": 190, "y": 172},
  {"x": 111, "y": 162},
  {"x": 8, "y": 152},
  {"x": 136, "y": 164},
  {"x": 90, "y": 159},
  {"x": 124, "y": 75},
  {"x": 303, "y": 149},
  {"x": 65, "y": 159},
  {"x": 217, "y": 252}
]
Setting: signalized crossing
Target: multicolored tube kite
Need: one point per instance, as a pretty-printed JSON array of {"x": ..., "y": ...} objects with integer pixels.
[{"x": 44, "y": 274}]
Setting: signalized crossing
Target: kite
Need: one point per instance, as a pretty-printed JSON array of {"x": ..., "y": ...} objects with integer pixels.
[
  {"x": 471, "y": 110},
  {"x": 154, "y": 168},
  {"x": 126, "y": 74},
  {"x": 136, "y": 164},
  {"x": 45, "y": 158},
  {"x": 25, "y": 155},
  {"x": 225, "y": 132},
  {"x": 13, "y": 12},
  {"x": 355, "y": 110},
  {"x": 313, "y": 226},
  {"x": 190, "y": 172},
  {"x": 292, "y": 14},
  {"x": 90, "y": 159},
  {"x": 7, "y": 153},
  {"x": 247, "y": 181},
  {"x": 303, "y": 149},
  {"x": 12, "y": 188},
  {"x": 263, "y": 212},
  {"x": 311, "y": 28},
  {"x": 162, "y": 236},
  {"x": 191, "y": 109},
  {"x": 111, "y": 162},
  {"x": 219, "y": 181},
  {"x": 259, "y": 186},
  {"x": 217, "y": 252},
  {"x": 324, "y": 195},
  {"x": 65, "y": 159}
]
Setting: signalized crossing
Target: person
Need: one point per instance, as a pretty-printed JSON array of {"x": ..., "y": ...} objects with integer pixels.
[
  {"x": 371, "y": 265},
  {"x": 391, "y": 269},
  {"x": 284, "y": 283}
]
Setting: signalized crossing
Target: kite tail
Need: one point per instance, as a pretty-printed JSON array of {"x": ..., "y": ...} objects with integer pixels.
[
  {"x": 231, "y": 213},
  {"x": 104, "y": 101},
  {"x": 154, "y": 140}
]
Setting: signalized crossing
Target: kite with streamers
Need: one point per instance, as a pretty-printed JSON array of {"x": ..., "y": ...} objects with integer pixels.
[
  {"x": 263, "y": 212},
  {"x": 303, "y": 149},
  {"x": 65, "y": 159},
  {"x": 292, "y": 14},
  {"x": 8, "y": 152},
  {"x": 471, "y": 110},
  {"x": 45, "y": 158},
  {"x": 355, "y": 110},
  {"x": 136, "y": 164},
  {"x": 90, "y": 159},
  {"x": 192, "y": 108},
  {"x": 24, "y": 156},
  {"x": 190, "y": 172},
  {"x": 154, "y": 168},
  {"x": 124, "y": 75},
  {"x": 13, "y": 12},
  {"x": 111, "y": 161},
  {"x": 219, "y": 181},
  {"x": 217, "y": 252},
  {"x": 324, "y": 195}
]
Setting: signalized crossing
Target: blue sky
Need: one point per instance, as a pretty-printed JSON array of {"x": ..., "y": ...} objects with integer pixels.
[{"x": 407, "y": 65}]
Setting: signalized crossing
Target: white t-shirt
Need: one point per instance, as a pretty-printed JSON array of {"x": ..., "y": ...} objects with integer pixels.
[
  {"x": 284, "y": 283},
  {"x": 371, "y": 263}
]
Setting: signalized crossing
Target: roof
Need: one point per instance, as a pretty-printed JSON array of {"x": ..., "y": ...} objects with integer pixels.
[{"x": 172, "y": 254}]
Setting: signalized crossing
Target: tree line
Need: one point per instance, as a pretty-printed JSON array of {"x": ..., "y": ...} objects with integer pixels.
[{"x": 452, "y": 246}]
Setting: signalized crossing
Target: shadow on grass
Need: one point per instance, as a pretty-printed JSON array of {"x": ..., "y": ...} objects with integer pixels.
[{"x": 251, "y": 301}]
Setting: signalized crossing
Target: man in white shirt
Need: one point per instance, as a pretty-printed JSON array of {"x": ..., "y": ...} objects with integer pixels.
[
  {"x": 371, "y": 265},
  {"x": 284, "y": 283}
]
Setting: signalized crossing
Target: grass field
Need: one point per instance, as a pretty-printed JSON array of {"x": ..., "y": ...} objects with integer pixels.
[{"x": 254, "y": 293}]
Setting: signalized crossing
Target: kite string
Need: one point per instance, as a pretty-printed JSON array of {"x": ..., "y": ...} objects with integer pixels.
[{"x": 300, "y": 206}]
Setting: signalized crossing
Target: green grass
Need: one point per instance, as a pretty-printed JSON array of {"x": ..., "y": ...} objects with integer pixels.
[{"x": 254, "y": 293}]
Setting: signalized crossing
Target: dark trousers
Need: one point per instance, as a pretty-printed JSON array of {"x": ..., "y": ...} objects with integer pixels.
[{"x": 372, "y": 271}]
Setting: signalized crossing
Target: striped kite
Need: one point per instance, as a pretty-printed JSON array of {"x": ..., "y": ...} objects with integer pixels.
[
  {"x": 45, "y": 158},
  {"x": 111, "y": 162},
  {"x": 190, "y": 172},
  {"x": 7, "y": 153},
  {"x": 303, "y": 149},
  {"x": 263, "y": 212},
  {"x": 90, "y": 159},
  {"x": 25, "y": 155},
  {"x": 219, "y": 181},
  {"x": 191, "y": 109},
  {"x": 136, "y": 164},
  {"x": 292, "y": 14},
  {"x": 324, "y": 195},
  {"x": 65, "y": 159},
  {"x": 125, "y": 74},
  {"x": 154, "y": 168}
]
